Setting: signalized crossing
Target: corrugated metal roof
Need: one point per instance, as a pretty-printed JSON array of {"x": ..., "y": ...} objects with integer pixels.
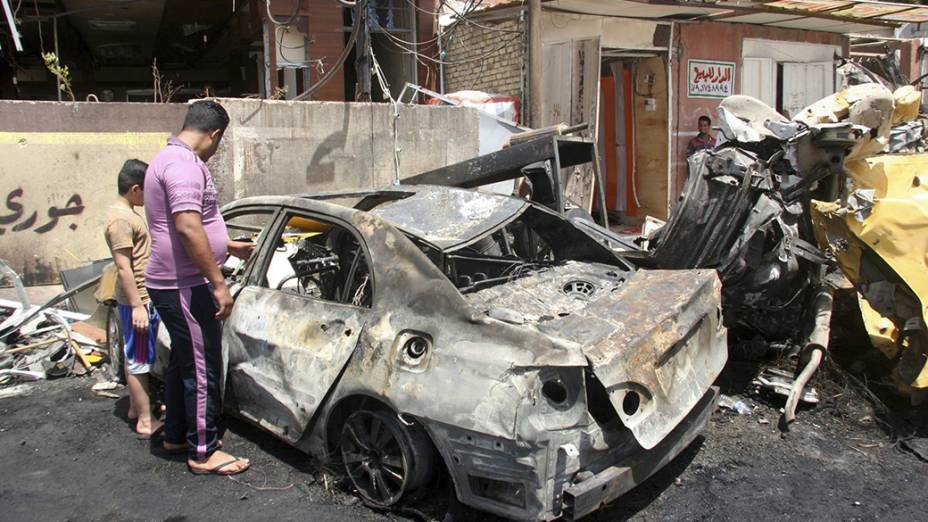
[{"x": 838, "y": 16}]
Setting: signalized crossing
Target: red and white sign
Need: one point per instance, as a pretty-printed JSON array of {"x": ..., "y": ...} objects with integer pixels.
[{"x": 710, "y": 79}]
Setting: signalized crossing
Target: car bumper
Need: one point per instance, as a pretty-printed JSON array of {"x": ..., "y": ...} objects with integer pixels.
[
  {"x": 580, "y": 499},
  {"x": 524, "y": 481}
]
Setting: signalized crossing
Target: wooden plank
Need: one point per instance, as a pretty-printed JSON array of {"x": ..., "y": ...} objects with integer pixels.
[
  {"x": 580, "y": 182},
  {"x": 556, "y": 73}
]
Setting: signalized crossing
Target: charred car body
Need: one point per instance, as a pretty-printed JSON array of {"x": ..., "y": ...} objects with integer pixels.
[{"x": 403, "y": 329}]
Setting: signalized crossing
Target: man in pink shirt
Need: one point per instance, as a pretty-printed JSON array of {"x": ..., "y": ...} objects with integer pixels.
[{"x": 189, "y": 243}]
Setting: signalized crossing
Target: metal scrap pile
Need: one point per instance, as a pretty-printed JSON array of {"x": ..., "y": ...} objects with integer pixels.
[
  {"x": 781, "y": 202},
  {"x": 41, "y": 342},
  {"x": 745, "y": 211},
  {"x": 909, "y": 132}
]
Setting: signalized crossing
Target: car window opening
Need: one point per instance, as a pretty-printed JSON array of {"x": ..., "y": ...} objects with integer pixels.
[
  {"x": 248, "y": 227},
  {"x": 320, "y": 260},
  {"x": 511, "y": 252}
]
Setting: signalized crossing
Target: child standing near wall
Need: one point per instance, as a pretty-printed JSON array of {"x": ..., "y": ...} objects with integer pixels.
[{"x": 130, "y": 245}]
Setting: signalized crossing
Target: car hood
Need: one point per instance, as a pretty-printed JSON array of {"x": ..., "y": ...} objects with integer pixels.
[{"x": 653, "y": 339}]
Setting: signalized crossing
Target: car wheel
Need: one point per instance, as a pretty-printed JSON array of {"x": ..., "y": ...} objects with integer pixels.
[
  {"x": 384, "y": 457},
  {"x": 114, "y": 345}
]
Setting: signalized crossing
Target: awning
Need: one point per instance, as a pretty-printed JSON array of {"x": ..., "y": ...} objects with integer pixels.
[{"x": 835, "y": 16}]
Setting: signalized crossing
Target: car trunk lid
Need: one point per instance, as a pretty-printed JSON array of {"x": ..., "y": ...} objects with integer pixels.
[{"x": 653, "y": 338}]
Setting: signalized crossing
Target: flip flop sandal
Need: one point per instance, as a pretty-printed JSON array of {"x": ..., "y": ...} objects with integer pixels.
[{"x": 218, "y": 469}]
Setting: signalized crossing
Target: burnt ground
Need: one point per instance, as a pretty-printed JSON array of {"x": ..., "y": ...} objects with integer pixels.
[{"x": 66, "y": 454}]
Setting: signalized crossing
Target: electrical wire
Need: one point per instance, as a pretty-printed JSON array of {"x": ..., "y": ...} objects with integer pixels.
[
  {"x": 399, "y": 43},
  {"x": 424, "y": 42},
  {"x": 38, "y": 22},
  {"x": 424, "y": 11},
  {"x": 349, "y": 45},
  {"x": 385, "y": 89},
  {"x": 415, "y": 54},
  {"x": 468, "y": 21},
  {"x": 402, "y": 44},
  {"x": 290, "y": 19}
]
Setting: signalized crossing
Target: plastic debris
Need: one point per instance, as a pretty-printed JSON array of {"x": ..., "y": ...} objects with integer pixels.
[{"x": 736, "y": 405}]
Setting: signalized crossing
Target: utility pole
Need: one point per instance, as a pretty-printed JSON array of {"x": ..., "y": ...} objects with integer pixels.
[
  {"x": 363, "y": 55},
  {"x": 534, "y": 62}
]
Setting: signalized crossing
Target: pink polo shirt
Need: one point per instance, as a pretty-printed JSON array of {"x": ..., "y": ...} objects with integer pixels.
[{"x": 178, "y": 180}]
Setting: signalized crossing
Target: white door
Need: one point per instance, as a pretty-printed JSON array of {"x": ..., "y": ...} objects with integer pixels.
[
  {"x": 793, "y": 98},
  {"x": 820, "y": 79},
  {"x": 759, "y": 79},
  {"x": 555, "y": 80},
  {"x": 805, "y": 84}
]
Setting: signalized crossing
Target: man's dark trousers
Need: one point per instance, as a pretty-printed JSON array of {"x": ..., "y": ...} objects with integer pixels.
[{"x": 191, "y": 394}]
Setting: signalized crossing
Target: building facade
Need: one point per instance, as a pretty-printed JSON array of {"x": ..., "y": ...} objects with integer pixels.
[{"x": 642, "y": 73}]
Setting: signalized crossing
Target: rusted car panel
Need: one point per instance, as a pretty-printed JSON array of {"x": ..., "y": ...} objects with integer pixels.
[
  {"x": 493, "y": 348},
  {"x": 655, "y": 335}
]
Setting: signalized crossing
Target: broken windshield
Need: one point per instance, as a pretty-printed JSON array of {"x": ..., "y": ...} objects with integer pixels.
[{"x": 449, "y": 217}]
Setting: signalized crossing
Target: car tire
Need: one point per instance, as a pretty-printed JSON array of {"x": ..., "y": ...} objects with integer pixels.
[
  {"x": 114, "y": 350},
  {"x": 385, "y": 458}
]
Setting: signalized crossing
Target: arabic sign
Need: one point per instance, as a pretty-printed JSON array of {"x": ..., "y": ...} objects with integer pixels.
[
  {"x": 74, "y": 207},
  {"x": 710, "y": 79}
]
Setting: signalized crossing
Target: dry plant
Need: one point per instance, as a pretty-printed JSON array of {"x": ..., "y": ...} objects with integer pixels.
[
  {"x": 60, "y": 71},
  {"x": 164, "y": 90},
  {"x": 279, "y": 93}
]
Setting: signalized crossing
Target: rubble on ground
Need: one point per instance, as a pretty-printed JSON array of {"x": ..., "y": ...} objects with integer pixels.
[{"x": 45, "y": 342}]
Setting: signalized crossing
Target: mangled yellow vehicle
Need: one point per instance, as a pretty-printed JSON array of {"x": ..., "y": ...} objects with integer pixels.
[{"x": 879, "y": 238}]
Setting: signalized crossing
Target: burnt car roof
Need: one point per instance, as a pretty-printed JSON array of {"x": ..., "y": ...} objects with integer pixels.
[
  {"x": 447, "y": 217},
  {"x": 444, "y": 216}
]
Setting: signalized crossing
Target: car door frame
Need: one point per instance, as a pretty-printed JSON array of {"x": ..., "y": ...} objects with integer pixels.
[{"x": 300, "y": 418}]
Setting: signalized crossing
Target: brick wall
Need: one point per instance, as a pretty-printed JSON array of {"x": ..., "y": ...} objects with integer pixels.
[
  {"x": 328, "y": 41},
  {"x": 486, "y": 60}
]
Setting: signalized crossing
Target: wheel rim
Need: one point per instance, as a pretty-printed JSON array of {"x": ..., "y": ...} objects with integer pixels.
[
  {"x": 114, "y": 344},
  {"x": 375, "y": 458}
]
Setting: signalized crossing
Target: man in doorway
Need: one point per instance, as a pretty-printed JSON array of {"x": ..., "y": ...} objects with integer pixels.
[
  {"x": 130, "y": 245},
  {"x": 189, "y": 244},
  {"x": 703, "y": 140}
]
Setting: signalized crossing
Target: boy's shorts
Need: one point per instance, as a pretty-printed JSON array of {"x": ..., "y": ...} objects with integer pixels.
[{"x": 138, "y": 347}]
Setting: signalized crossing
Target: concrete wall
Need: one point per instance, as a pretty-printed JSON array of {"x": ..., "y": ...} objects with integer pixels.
[
  {"x": 52, "y": 153},
  {"x": 281, "y": 147},
  {"x": 62, "y": 159}
]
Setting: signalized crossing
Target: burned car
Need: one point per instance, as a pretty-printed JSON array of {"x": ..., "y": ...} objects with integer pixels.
[{"x": 407, "y": 330}]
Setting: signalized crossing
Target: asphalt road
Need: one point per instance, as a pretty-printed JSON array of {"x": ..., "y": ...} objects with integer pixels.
[{"x": 66, "y": 454}]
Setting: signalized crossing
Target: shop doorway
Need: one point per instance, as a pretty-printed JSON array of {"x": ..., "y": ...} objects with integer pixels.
[{"x": 617, "y": 135}]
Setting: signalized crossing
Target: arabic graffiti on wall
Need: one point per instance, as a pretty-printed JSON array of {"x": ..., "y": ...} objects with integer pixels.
[
  {"x": 710, "y": 79},
  {"x": 74, "y": 207}
]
